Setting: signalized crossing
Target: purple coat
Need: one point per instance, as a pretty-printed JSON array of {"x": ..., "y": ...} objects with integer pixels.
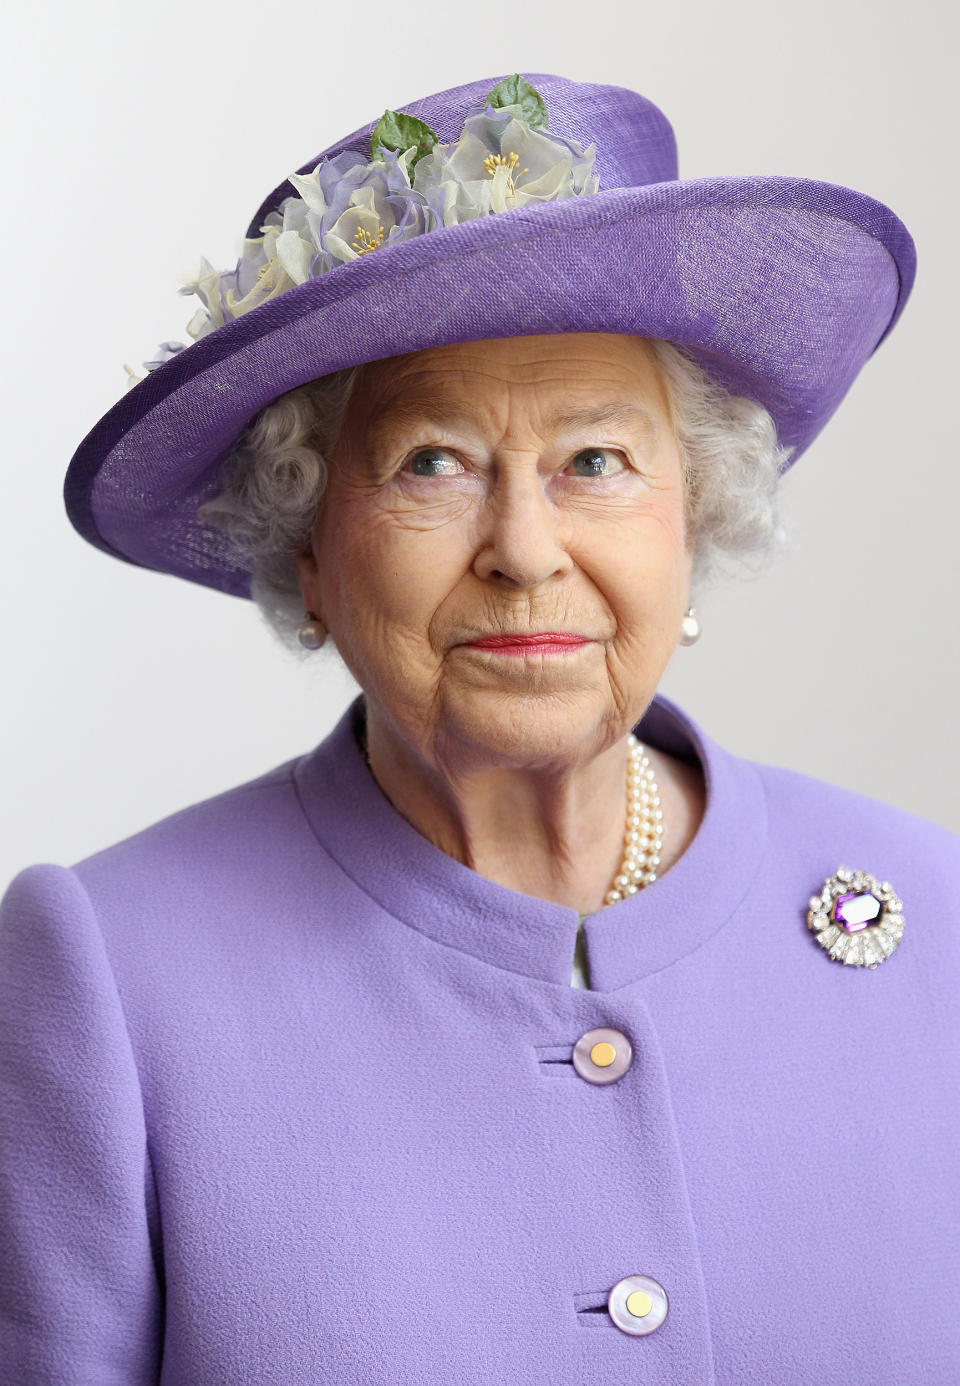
[{"x": 288, "y": 1096}]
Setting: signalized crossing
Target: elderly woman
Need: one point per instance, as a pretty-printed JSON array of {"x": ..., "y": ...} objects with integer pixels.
[{"x": 496, "y": 1038}]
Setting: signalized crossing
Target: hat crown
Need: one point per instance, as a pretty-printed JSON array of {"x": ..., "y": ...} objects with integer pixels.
[{"x": 635, "y": 143}]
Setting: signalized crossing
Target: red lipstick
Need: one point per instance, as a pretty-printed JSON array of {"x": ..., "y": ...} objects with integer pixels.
[{"x": 543, "y": 642}]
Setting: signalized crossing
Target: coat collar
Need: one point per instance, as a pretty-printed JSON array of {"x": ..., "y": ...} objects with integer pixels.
[{"x": 420, "y": 885}]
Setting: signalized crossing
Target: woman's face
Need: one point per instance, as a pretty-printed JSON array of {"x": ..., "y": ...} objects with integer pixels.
[{"x": 507, "y": 487}]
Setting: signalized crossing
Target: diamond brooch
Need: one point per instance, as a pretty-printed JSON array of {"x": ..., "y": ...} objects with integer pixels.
[{"x": 856, "y": 918}]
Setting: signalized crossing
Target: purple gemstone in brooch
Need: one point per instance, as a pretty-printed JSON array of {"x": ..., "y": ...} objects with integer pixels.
[
  {"x": 856, "y": 909},
  {"x": 856, "y": 918}
]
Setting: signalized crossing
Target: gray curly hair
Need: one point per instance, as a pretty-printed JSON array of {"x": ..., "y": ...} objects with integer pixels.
[{"x": 273, "y": 480}]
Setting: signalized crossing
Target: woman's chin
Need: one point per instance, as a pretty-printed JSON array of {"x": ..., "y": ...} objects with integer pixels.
[{"x": 520, "y": 727}]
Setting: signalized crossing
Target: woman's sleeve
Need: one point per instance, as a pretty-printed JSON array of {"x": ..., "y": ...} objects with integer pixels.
[{"x": 80, "y": 1300}]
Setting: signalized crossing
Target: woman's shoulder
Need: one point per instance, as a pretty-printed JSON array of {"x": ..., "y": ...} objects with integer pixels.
[
  {"x": 816, "y": 827},
  {"x": 796, "y": 798},
  {"x": 162, "y": 869},
  {"x": 204, "y": 829}
]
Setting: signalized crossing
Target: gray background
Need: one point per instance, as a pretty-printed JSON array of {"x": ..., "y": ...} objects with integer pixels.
[{"x": 143, "y": 136}]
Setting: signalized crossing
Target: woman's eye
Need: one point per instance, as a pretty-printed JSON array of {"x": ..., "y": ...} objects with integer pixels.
[
  {"x": 596, "y": 462},
  {"x": 432, "y": 462}
]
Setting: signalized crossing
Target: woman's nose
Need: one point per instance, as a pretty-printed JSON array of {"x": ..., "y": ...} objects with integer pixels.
[{"x": 522, "y": 535}]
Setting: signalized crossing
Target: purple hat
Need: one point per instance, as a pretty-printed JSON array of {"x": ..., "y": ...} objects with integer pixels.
[{"x": 779, "y": 288}]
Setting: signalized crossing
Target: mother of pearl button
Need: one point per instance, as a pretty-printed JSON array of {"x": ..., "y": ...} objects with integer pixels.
[
  {"x": 637, "y": 1304},
  {"x": 602, "y": 1055}
]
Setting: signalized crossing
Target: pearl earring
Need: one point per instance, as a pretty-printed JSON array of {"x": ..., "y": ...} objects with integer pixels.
[
  {"x": 690, "y": 627},
  {"x": 312, "y": 633}
]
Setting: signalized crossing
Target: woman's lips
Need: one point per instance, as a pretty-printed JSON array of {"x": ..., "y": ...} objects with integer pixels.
[{"x": 543, "y": 642}]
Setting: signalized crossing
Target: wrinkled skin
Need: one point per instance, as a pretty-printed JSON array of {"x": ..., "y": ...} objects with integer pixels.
[{"x": 433, "y": 532}]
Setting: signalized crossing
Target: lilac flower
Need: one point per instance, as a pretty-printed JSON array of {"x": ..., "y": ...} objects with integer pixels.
[
  {"x": 353, "y": 206},
  {"x": 500, "y": 162}
]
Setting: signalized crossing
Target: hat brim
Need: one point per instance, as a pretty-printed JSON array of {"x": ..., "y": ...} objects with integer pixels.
[{"x": 779, "y": 288}]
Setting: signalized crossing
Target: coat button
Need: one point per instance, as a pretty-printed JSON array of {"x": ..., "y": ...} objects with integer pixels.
[
  {"x": 602, "y": 1056},
  {"x": 637, "y": 1304}
]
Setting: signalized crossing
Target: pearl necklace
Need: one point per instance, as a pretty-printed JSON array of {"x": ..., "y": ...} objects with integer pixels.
[{"x": 643, "y": 834}]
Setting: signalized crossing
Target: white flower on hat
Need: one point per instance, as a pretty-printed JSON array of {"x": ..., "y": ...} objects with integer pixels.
[{"x": 501, "y": 161}]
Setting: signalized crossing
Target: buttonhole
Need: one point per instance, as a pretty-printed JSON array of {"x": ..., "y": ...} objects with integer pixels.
[
  {"x": 555, "y": 1060},
  {"x": 592, "y": 1311}
]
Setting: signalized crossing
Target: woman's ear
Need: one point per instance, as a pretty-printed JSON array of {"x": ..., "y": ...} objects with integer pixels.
[
  {"x": 306, "y": 573},
  {"x": 308, "y": 579}
]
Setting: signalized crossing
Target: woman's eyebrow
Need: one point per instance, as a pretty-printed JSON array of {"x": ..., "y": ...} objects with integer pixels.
[
  {"x": 628, "y": 415},
  {"x": 403, "y": 412}
]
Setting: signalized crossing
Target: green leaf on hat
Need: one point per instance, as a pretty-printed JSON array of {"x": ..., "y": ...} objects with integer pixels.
[
  {"x": 395, "y": 130},
  {"x": 516, "y": 91}
]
